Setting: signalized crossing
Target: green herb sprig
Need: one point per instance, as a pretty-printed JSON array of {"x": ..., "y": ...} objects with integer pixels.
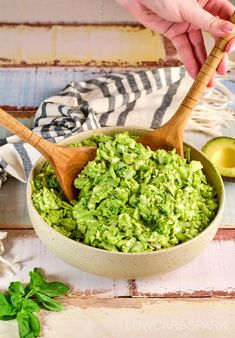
[{"x": 21, "y": 302}]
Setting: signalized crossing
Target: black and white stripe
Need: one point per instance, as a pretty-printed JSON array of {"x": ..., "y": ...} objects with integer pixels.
[{"x": 27, "y": 164}]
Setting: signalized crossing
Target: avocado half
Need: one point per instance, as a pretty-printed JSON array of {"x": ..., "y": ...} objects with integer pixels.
[{"x": 221, "y": 152}]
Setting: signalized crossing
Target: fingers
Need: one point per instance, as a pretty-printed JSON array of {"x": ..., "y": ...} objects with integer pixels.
[
  {"x": 222, "y": 8},
  {"x": 204, "y": 20},
  {"x": 211, "y": 83},
  {"x": 186, "y": 54},
  {"x": 230, "y": 46},
  {"x": 198, "y": 46},
  {"x": 189, "y": 42},
  {"x": 194, "y": 56},
  {"x": 192, "y": 52},
  {"x": 222, "y": 68}
]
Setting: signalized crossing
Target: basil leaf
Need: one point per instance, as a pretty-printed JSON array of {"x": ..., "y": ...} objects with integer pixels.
[
  {"x": 16, "y": 300},
  {"x": 37, "y": 280},
  {"x": 23, "y": 324},
  {"x": 54, "y": 289},
  {"x": 34, "y": 324},
  {"x": 49, "y": 303},
  {"x": 30, "y": 335},
  {"x": 16, "y": 287},
  {"x": 21, "y": 302},
  {"x": 3, "y": 300},
  {"x": 30, "y": 306},
  {"x": 29, "y": 325},
  {"x": 7, "y": 312}
]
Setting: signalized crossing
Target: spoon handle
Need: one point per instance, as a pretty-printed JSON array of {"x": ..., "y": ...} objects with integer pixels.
[
  {"x": 24, "y": 133},
  {"x": 203, "y": 78}
]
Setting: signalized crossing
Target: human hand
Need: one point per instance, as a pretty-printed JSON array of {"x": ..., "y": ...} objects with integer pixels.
[{"x": 182, "y": 21}]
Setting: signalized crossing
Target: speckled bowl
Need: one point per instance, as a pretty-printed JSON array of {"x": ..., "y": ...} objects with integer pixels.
[{"x": 119, "y": 264}]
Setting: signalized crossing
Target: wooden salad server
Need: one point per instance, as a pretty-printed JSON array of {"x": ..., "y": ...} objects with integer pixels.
[
  {"x": 170, "y": 135},
  {"x": 67, "y": 162}
]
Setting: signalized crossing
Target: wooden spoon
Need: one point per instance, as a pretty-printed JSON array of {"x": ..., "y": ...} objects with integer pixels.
[
  {"x": 67, "y": 162},
  {"x": 170, "y": 135}
]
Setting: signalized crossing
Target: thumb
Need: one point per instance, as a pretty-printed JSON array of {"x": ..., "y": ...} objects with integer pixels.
[{"x": 207, "y": 22}]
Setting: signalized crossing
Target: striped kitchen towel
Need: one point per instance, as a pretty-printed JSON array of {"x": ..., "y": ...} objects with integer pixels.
[{"x": 141, "y": 98}]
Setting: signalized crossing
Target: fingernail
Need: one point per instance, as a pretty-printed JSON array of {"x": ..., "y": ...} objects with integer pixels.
[{"x": 227, "y": 27}]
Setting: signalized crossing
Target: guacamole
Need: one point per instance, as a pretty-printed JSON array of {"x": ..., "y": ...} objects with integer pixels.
[{"x": 131, "y": 199}]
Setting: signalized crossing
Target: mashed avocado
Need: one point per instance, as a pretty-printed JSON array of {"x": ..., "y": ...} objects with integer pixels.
[{"x": 131, "y": 199}]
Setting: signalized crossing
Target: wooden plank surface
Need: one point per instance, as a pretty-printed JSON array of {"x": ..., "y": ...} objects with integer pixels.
[
  {"x": 139, "y": 318},
  {"x": 23, "y": 89},
  {"x": 210, "y": 274},
  {"x": 81, "y": 45},
  {"x": 13, "y": 208},
  {"x": 32, "y": 253},
  {"x": 66, "y": 11}
]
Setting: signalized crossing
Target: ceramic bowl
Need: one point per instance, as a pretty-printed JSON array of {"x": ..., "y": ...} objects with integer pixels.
[{"x": 119, "y": 264}]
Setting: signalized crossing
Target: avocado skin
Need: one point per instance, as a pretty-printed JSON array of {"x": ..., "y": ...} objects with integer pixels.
[{"x": 219, "y": 144}]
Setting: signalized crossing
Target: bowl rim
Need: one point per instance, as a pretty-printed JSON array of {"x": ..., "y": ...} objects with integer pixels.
[{"x": 120, "y": 253}]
